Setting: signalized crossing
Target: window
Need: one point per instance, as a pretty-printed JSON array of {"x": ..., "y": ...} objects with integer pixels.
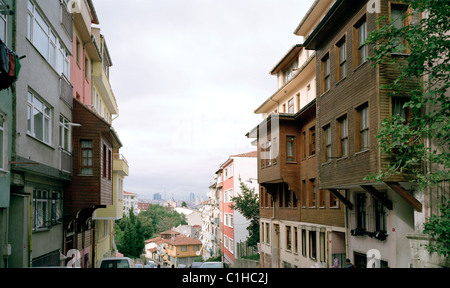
[
  {"x": 288, "y": 238},
  {"x": 183, "y": 248},
  {"x": 334, "y": 201},
  {"x": 64, "y": 133},
  {"x": 360, "y": 36},
  {"x": 362, "y": 124},
  {"x": 326, "y": 79},
  {"x": 104, "y": 161},
  {"x": 303, "y": 193},
  {"x": 380, "y": 215},
  {"x": 57, "y": 207},
  {"x": 361, "y": 211},
  {"x": 291, "y": 105},
  {"x": 110, "y": 164},
  {"x": 41, "y": 209},
  {"x": 312, "y": 141},
  {"x": 399, "y": 110},
  {"x": 304, "y": 242},
  {"x": 321, "y": 198},
  {"x": 399, "y": 21},
  {"x": 230, "y": 171},
  {"x": 342, "y": 131},
  {"x": 3, "y": 145},
  {"x": 269, "y": 149},
  {"x": 46, "y": 42},
  {"x": 287, "y": 197},
  {"x": 322, "y": 241},
  {"x": 87, "y": 165},
  {"x": 312, "y": 245},
  {"x": 289, "y": 72},
  {"x": 294, "y": 200},
  {"x": 78, "y": 51},
  {"x": 87, "y": 68},
  {"x": 274, "y": 151},
  {"x": 231, "y": 220},
  {"x": 312, "y": 192},
  {"x": 308, "y": 93},
  {"x": 39, "y": 119},
  {"x": 341, "y": 59},
  {"x": 304, "y": 145},
  {"x": 268, "y": 233},
  {"x": 290, "y": 143},
  {"x": 326, "y": 143},
  {"x": 228, "y": 195},
  {"x": 295, "y": 240}
]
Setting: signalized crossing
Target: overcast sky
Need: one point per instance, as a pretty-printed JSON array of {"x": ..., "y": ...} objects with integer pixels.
[{"x": 187, "y": 76}]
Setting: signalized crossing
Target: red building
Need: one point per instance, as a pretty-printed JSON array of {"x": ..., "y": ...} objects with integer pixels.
[{"x": 242, "y": 166}]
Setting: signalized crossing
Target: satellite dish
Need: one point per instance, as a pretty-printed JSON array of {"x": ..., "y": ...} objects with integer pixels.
[{"x": 197, "y": 253}]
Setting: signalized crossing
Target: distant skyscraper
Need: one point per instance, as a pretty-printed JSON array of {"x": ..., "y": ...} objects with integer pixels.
[
  {"x": 157, "y": 196},
  {"x": 192, "y": 197}
]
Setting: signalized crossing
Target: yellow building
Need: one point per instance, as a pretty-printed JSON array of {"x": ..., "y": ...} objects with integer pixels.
[
  {"x": 181, "y": 250},
  {"x": 105, "y": 217}
]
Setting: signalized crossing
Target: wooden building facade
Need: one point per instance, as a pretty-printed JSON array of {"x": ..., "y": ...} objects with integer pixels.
[
  {"x": 91, "y": 187},
  {"x": 350, "y": 109}
]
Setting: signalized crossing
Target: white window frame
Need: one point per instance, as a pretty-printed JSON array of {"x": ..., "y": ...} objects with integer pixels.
[
  {"x": 63, "y": 129},
  {"x": 55, "y": 53},
  {"x": 46, "y": 111},
  {"x": 41, "y": 209}
]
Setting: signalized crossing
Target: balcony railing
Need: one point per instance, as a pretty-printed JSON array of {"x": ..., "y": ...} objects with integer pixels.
[
  {"x": 65, "y": 161},
  {"x": 66, "y": 91}
]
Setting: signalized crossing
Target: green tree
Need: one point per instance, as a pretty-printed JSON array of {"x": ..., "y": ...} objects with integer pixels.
[
  {"x": 131, "y": 239},
  {"x": 162, "y": 218},
  {"x": 247, "y": 203},
  {"x": 428, "y": 62},
  {"x": 438, "y": 227}
]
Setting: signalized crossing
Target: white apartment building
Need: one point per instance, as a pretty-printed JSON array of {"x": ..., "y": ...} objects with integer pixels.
[{"x": 130, "y": 200}]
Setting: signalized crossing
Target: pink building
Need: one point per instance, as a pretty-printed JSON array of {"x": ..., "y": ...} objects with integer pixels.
[
  {"x": 85, "y": 51},
  {"x": 234, "y": 224}
]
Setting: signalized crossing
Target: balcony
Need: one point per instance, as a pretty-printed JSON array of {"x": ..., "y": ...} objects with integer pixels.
[
  {"x": 111, "y": 212},
  {"x": 65, "y": 161},
  {"x": 83, "y": 15},
  {"x": 102, "y": 82},
  {"x": 66, "y": 91},
  {"x": 120, "y": 165}
]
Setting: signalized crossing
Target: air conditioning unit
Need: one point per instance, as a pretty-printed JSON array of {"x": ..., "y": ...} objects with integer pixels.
[{"x": 74, "y": 6}]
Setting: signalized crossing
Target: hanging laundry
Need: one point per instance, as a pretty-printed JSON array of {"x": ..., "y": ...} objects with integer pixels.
[{"x": 9, "y": 66}]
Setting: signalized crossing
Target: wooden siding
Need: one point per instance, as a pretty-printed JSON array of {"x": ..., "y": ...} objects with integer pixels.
[
  {"x": 287, "y": 176},
  {"x": 343, "y": 98},
  {"x": 87, "y": 191},
  {"x": 360, "y": 86}
]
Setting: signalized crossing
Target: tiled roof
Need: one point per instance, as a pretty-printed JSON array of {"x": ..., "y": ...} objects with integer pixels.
[
  {"x": 248, "y": 154},
  {"x": 182, "y": 240}
]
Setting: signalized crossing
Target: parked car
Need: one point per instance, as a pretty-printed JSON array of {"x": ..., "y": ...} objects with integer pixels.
[
  {"x": 150, "y": 265},
  {"x": 196, "y": 264},
  {"x": 137, "y": 265},
  {"x": 117, "y": 262},
  {"x": 213, "y": 265}
]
